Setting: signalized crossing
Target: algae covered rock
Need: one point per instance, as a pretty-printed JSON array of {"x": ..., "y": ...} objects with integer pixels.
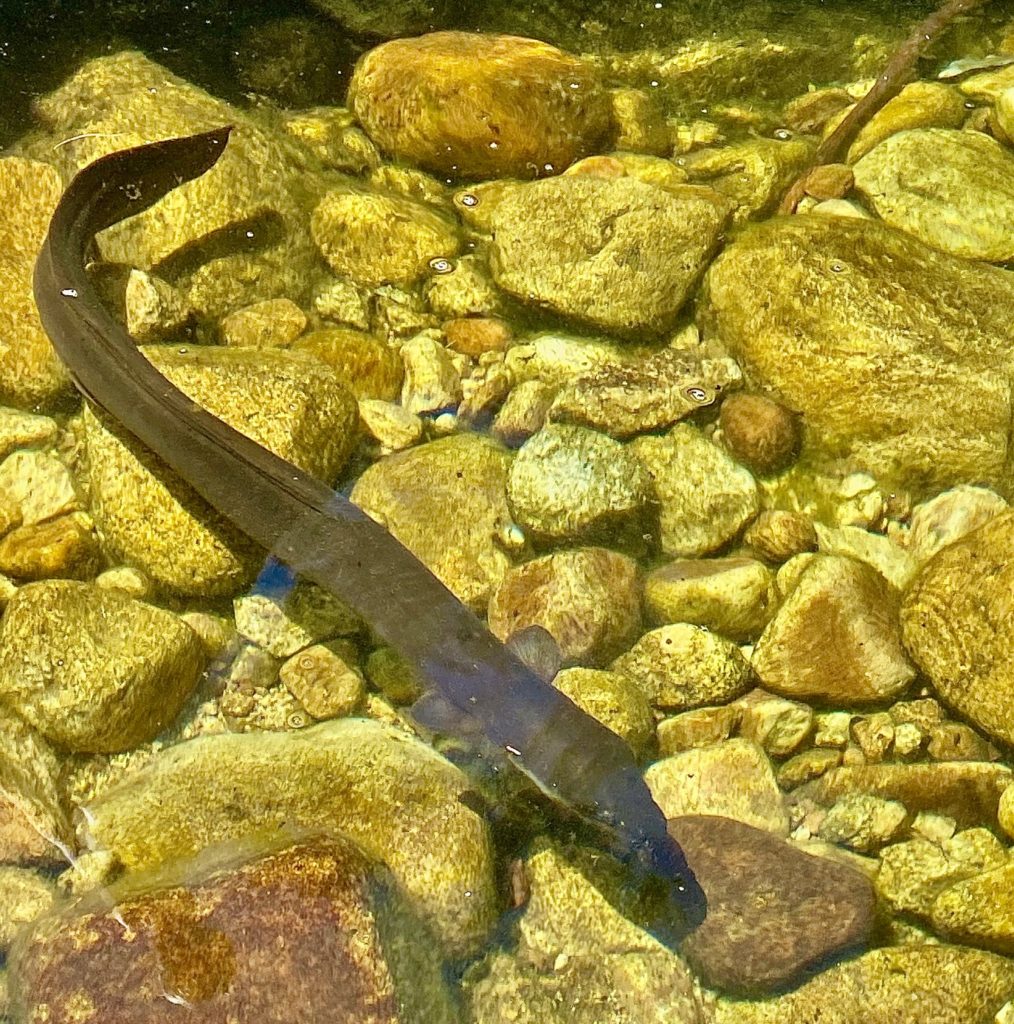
[
  {"x": 445, "y": 502},
  {"x": 92, "y": 669},
  {"x": 958, "y": 625},
  {"x": 615, "y": 700},
  {"x": 479, "y": 105},
  {"x": 317, "y": 926},
  {"x": 393, "y": 795},
  {"x": 951, "y": 189},
  {"x": 367, "y": 365},
  {"x": 835, "y": 637},
  {"x": 616, "y": 254},
  {"x": 292, "y": 405},
  {"x": 877, "y": 340},
  {"x": 922, "y": 984}
]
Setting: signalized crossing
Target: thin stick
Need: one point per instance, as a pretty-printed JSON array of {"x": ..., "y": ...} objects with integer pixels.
[{"x": 900, "y": 68}]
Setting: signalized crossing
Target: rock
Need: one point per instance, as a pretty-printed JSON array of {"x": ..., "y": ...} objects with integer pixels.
[
  {"x": 912, "y": 875},
  {"x": 732, "y": 596},
  {"x": 955, "y": 624},
  {"x": 153, "y": 310},
  {"x": 810, "y": 111},
  {"x": 955, "y": 741},
  {"x": 476, "y": 335},
  {"x": 705, "y": 498},
  {"x": 884, "y": 554},
  {"x": 863, "y": 823},
  {"x": 393, "y": 427},
  {"x": 432, "y": 382},
  {"x": 445, "y": 502},
  {"x": 523, "y": 413},
  {"x": 835, "y": 638},
  {"x": 618, "y": 255},
  {"x": 642, "y": 396},
  {"x": 464, "y": 289},
  {"x": 31, "y": 374},
  {"x": 948, "y": 188},
  {"x": 978, "y": 911},
  {"x": 802, "y": 910},
  {"x": 760, "y": 433},
  {"x": 482, "y": 106},
  {"x": 780, "y": 726},
  {"x": 778, "y": 535},
  {"x": 947, "y": 517},
  {"x": 333, "y": 136},
  {"x": 316, "y": 926},
  {"x": 557, "y": 359},
  {"x": 377, "y": 239},
  {"x": 681, "y": 666},
  {"x": 806, "y": 766},
  {"x": 64, "y": 547},
  {"x": 918, "y": 105},
  {"x": 589, "y": 600},
  {"x": 698, "y": 728},
  {"x": 347, "y": 776},
  {"x": 846, "y": 322},
  {"x": 366, "y": 365},
  {"x": 92, "y": 669},
  {"x": 274, "y": 323},
  {"x": 922, "y": 984},
  {"x": 578, "y": 958},
  {"x": 571, "y": 484},
  {"x": 731, "y": 779},
  {"x": 24, "y": 430},
  {"x": 39, "y": 484},
  {"x": 24, "y": 896},
  {"x": 615, "y": 700},
  {"x": 875, "y": 735},
  {"x": 967, "y": 792},
  {"x": 34, "y": 819},
  {"x": 254, "y": 202},
  {"x": 327, "y": 684},
  {"x": 149, "y": 518},
  {"x": 1005, "y": 112}
]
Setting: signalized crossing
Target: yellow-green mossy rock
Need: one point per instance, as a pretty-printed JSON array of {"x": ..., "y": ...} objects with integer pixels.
[
  {"x": 149, "y": 518},
  {"x": 588, "y": 599},
  {"x": 445, "y": 501},
  {"x": 92, "y": 669},
  {"x": 953, "y": 190},
  {"x": 615, "y": 700},
  {"x": 616, "y": 254},
  {"x": 897, "y": 985},
  {"x": 31, "y": 374},
  {"x": 476, "y": 105},
  {"x": 958, "y": 623},
  {"x": 24, "y": 896},
  {"x": 835, "y": 638},
  {"x": 878, "y": 341},
  {"x": 367, "y": 365},
  {"x": 979, "y": 911},
  {"x": 390, "y": 793},
  {"x": 315, "y": 932},
  {"x": 377, "y": 239}
]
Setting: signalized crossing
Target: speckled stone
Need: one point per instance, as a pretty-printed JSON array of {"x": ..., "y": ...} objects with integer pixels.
[
  {"x": 65, "y": 547},
  {"x": 432, "y": 381},
  {"x": 318, "y": 926},
  {"x": 30, "y": 372},
  {"x": 274, "y": 323},
  {"x": 615, "y": 700},
  {"x": 919, "y": 984},
  {"x": 704, "y": 497},
  {"x": 733, "y": 779},
  {"x": 93, "y": 669},
  {"x": 780, "y": 726},
  {"x": 24, "y": 896},
  {"x": 39, "y": 484},
  {"x": 681, "y": 666},
  {"x": 698, "y": 728},
  {"x": 325, "y": 680},
  {"x": 369, "y": 782},
  {"x": 835, "y": 638},
  {"x": 484, "y": 105},
  {"x": 950, "y": 189},
  {"x": 588, "y": 599},
  {"x": 24, "y": 430},
  {"x": 947, "y": 517},
  {"x": 367, "y": 366},
  {"x": 876, "y": 340},
  {"x": 775, "y": 914},
  {"x": 445, "y": 501},
  {"x": 779, "y": 535},
  {"x": 759, "y": 432},
  {"x": 618, "y": 255},
  {"x": 979, "y": 911},
  {"x": 557, "y": 358},
  {"x": 291, "y": 404},
  {"x": 864, "y": 823},
  {"x": 570, "y": 484}
]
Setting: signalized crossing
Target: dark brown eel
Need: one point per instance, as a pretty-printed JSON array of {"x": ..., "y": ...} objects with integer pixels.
[{"x": 324, "y": 537}]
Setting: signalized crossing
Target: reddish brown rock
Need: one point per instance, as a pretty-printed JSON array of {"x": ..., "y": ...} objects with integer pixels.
[
  {"x": 775, "y": 914},
  {"x": 313, "y": 932},
  {"x": 760, "y": 433}
]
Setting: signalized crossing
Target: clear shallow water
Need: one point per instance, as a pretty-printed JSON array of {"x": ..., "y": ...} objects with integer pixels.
[{"x": 199, "y": 47}]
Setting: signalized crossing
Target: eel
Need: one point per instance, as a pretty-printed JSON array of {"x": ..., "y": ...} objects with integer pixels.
[{"x": 322, "y": 536}]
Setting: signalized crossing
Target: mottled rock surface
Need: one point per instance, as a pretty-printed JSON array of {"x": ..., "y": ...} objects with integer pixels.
[
  {"x": 93, "y": 669},
  {"x": 445, "y": 501},
  {"x": 877, "y": 340},
  {"x": 774, "y": 913},
  {"x": 618, "y": 255},
  {"x": 615, "y": 700},
  {"x": 370, "y": 782},
  {"x": 316, "y": 926}
]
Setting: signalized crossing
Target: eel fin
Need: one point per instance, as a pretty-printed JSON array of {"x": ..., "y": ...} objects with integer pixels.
[{"x": 537, "y": 648}]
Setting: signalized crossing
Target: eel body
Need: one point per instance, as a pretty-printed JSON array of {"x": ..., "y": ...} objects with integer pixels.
[{"x": 324, "y": 537}]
